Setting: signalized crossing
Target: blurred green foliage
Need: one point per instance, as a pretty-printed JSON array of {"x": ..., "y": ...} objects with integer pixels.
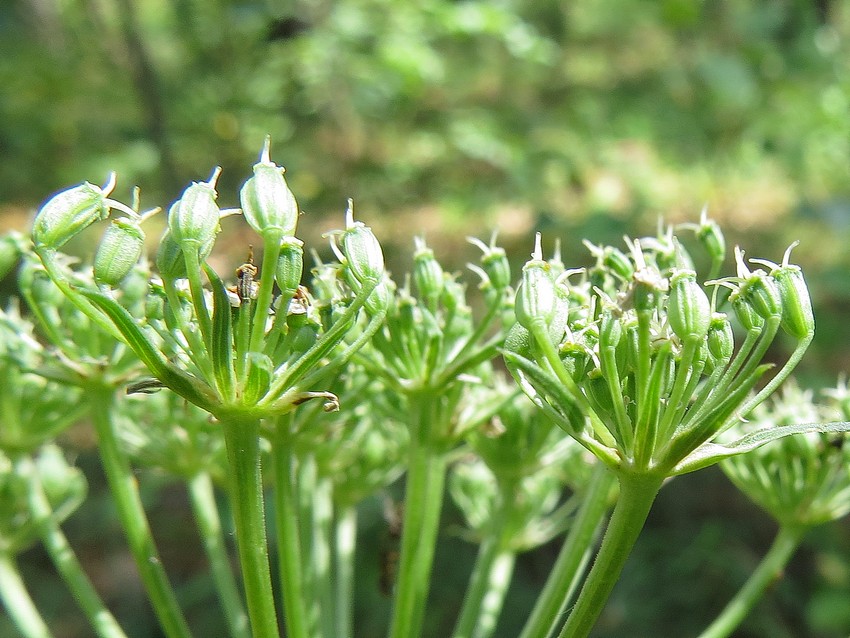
[{"x": 453, "y": 117}]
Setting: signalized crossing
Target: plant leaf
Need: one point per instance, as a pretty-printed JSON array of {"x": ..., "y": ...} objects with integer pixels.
[
  {"x": 710, "y": 453},
  {"x": 221, "y": 338}
]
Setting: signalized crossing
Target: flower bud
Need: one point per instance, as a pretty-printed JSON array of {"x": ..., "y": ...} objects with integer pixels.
[
  {"x": 119, "y": 250},
  {"x": 711, "y": 237},
  {"x": 427, "y": 272},
  {"x": 380, "y": 299},
  {"x": 68, "y": 213},
  {"x": 363, "y": 255},
  {"x": 495, "y": 264},
  {"x": 797, "y": 315},
  {"x": 169, "y": 256},
  {"x": 535, "y": 296},
  {"x": 610, "y": 330},
  {"x": 688, "y": 308},
  {"x": 195, "y": 216},
  {"x": 720, "y": 339},
  {"x": 290, "y": 266},
  {"x": 267, "y": 202},
  {"x": 259, "y": 376},
  {"x": 759, "y": 293}
]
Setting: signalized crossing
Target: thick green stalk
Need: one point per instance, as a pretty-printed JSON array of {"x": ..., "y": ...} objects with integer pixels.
[
  {"x": 423, "y": 499},
  {"x": 345, "y": 542},
  {"x": 321, "y": 558},
  {"x": 574, "y": 555},
  {"x": 286, "y": 526},
  {"x": 131, "y": 513},
  {"x": 17, "y": 601},
  {"x": 102, "y": 621},
  {"x": 637, "y": 494},
  {"x": 768, "y": 572},
  {"x": 242, "y": 438},
  {"x": 202, "y": 497}
]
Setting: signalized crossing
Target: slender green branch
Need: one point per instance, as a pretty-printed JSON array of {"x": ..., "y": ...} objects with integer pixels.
[
  {"x": 637, "y": 494},
  {"x": 768, "y": 572},
  {"x": 286, "y": 526},
  {"x": 573, "y": 557},
  {"x": 345, "y": 542},
  {"x": 17, "y": 601},
  {"x": 423, "y": 499},
  {"x": 102, "y": 621},
  {"x": 202, "y": 497},
  {"x": 125, "y": 494},
  {"x": 242, "y": 438}
]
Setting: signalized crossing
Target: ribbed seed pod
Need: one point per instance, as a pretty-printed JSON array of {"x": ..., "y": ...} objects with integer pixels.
[
  {"x": 119, "y": 250},
  {"x": 67, "y": 213}
]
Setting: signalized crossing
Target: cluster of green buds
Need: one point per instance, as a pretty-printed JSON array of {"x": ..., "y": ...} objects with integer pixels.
[
  {"x": 803, "y": 480},
  {"x": 635, "y": 359},
  {"x": 241, "y": 348},
  {"x": 512, "y": 486}
]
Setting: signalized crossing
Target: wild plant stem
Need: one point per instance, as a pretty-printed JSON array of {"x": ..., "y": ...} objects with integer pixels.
[
  {"x": 208, "y": 520},
  {"x": 770, "y": 569},
  {"x": 423, "y": 500},
  {"x": 102, "y": 621},
  {"x": 573, "y": 557},
  {"x": 131, "y": 513},
  {"x": 345, "y": 542},
  {"x": 637, "y": 494},
  {"x": 17, "y": 601},
  {"x": 242, "y": 439},
  {"x": 286, "y": 526}
]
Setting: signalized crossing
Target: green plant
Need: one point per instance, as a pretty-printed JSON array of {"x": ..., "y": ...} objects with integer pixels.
[{"x": 323, "y": 394}]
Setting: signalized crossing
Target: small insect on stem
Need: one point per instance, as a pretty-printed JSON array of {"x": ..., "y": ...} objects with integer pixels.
[{"x": 246, "y": 287}]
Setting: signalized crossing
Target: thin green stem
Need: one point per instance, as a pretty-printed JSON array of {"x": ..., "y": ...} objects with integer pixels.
[
  {"x": 768, "y": 572},
  {"x": 242, "y": 439},
  {"x": 17, "y": 601},
  {"x": 321, "y": 558},
  {"x": 286, "y": 526},
  {"x": 208, "y": 520},
  {"x": 488, "y": 584},
  {"x": 637, "y": 494},
  {"x": 271, "y": 252},
  {"x": 345, "y": 542},
  {"x": 423, "y": 499},
  {"x": 131, "y": 513},
  {"x": 305, "y": 487},
  {"x": 102, "y": 621},
  {"x": 574, "y": 555}
]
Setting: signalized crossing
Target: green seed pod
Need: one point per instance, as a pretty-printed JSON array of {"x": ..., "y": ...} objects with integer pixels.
[
  {"x": 380, "y": 299},
  {"x": 759, "y": 292},
  {"x": 259, "y": 376},
  {"x": 711, "y": 237},
  {"x": 195, "y": 216},
  {"x": 688, "y": 307},
  {"x": 119, "y": 250},
  {"x": 267, "y": 202},
  {"x": 68, "y": 213},
  {"x": 610, "y": 330},
  {"x": 535, "y": 296},
  {"x": 427, "y": 272},
  {"x": 618, "y": 263},
  {"x": 798, "y": 319},
  {"x": 363, "y": 255},
  {"x": 12, "y": 247},
  {"x": 494, "y": 263},
  {"x": 290, "y": 266},
  {"x": 169, "y": 256},
  {"x": 720, "y": 339}
]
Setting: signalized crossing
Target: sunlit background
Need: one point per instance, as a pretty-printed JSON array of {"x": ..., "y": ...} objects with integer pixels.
[{"x": 593, "y": 118}]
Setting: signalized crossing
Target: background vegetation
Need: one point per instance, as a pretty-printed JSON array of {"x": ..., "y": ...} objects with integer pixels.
[{"x": 449, "y": 118}]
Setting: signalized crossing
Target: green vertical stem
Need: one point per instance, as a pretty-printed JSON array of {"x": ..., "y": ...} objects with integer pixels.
[
  {"x": 345, "y": 542},
  {"x": 208, "y": 520},
  {"x": 770, "y": 569},
  {"x": 102, "y": 621},
  {"x": 242, "y": 439},
  {"x": 637, "y": 494},
  {"x": 322, "y": 532},
  {"x": 305, "y": 486},
  {"x": 131, "y": 513},
  {"x": 497, "y": 587},
  {"x": 286, "y": 526},
  {"x": 569, "y": 566},
  {"x": 423, "y": 500},
  {"x": 17, "y": 601}
]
